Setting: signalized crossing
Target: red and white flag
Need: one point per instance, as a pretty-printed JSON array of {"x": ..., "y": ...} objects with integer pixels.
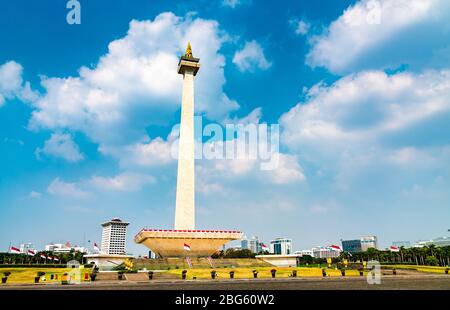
[
  {"x": 187, "y": 247},
  {"x": 264, "y": 247},
  {"x": 31, "y": 252},
  {"x": 14, "y": 250},
  {"x": 55, "y": 259},
  {"x": 50, "y": 258},
  {"x": 96, "y": 248},
  {"x": 394, "y": 248},
  {"x": 335, "y": 248},
  {"x": 43, "y": 256}
]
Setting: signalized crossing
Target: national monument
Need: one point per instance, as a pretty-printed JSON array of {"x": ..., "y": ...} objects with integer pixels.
[{"x": 184, "y": 240}]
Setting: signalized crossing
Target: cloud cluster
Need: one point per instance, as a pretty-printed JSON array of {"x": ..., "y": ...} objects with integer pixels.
[
  {"x": 60, "y": 145},
  {"x": 251, "y": 57},
  {"x": 126, "y": 182},
  {"x": 235, "y": 3},
  {"x": 135, "y": 84},
  {"x": 66, "y": 189},
  {"x": 301, "y": 27},
  {"x": 367, "y": 106},
  {"x": 12, "y": 84},
  {"x": 380, "y": 34}
]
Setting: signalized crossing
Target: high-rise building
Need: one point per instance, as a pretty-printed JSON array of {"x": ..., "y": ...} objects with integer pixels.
[
  {"x": 252, "y": 244},
  {"x": 368, "y": 242},
  {"x": 352, "y": 246},
  {"x": 114, "y": 236},
  {"x": 281, "y": 246}
]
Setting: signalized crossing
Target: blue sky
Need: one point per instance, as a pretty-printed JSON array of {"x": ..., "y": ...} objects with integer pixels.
[{"x": 360, "y": 89}]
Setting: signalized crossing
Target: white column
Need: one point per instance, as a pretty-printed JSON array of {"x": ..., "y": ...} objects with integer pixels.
[{"x": 185, "y": 199}]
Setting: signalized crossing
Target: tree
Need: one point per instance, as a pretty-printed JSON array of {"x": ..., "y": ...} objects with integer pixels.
[
  {"x": 431, "y": 261},
  {"x": 244, "y": 253}
]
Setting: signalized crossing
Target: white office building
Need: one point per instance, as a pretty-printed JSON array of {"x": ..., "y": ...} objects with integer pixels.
[
  {"x": 368, "y": 242},
  {"x": 64, "y": 248},
  {"x": 281, "y": 246},
  {"x": 305, "y": 253},
  {"x": 399, "y": 244},
  {"x": 438, "y": 242},
  {"x": 114, "y": 236},
  {"x": 325, "y": 252}
]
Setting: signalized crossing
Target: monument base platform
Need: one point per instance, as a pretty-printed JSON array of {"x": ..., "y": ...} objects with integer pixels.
[{"x": 183, "y": 243}]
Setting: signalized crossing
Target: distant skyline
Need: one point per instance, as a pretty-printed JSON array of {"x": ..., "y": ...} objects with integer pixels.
[{"x": 360, "y": 89}]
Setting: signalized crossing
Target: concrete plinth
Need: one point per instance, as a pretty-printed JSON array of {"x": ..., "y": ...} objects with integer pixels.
[
  {"x": 289, "y": 260},
  {"x": 106, "y": 261}
]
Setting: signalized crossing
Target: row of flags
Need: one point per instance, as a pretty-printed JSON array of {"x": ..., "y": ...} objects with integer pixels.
[{"x": 31, "y": 252}]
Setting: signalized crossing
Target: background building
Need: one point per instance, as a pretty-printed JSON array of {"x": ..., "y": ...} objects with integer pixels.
[
  {"x": 253, "y": 244},
  {"x": 399, "y": 244},
  {"x": 352, "y": 246},
  {"x": 64, "y": 248},
  {"x": 281, "y": 246},
  {"x": 304, "y": 253},
  {"x": 325, "y": 252},
  {"x": 368, "y": 242},
  {"x": 441, "y": 241},
  {"x": 114, "y": 236},
  {"x": 24, "y": 247}
]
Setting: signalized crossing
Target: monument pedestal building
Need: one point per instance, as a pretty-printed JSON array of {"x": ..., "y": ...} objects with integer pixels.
[{"x": 184, "y": 239}]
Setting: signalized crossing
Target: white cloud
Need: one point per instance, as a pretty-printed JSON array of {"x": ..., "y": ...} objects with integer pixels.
[
  {"x": 34, "y": 195},
  {"x": 125, "y": 182},
  {"x": 148, "y": 153},
  {"x": 61, "y": 146},
  {"x": 410, "y": 156},
  {"x": 12, "y": 85},
  {"x": 288, "y": 170},
  {"x": 136, "y": 84},
  {"x": 251, "y": 57},
  {"x": 235, "y": 3},
  {"x": 366, "y": 106},
  {"x": 372, "y": 130},
  {"x": 231, "y": 3},
  {"x": 66, "y": 190},
  {"x": 227, "y": 171},
  {"x": 253, "y": 117},
  {"x": 302, "y": 27},
  {"x": 375, "y": 34}
]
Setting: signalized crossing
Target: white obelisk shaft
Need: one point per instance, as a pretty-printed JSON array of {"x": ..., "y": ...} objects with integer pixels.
[{"x": 185, "y": 200}]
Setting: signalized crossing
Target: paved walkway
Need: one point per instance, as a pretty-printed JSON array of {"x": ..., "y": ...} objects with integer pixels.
[{"x": 399, "y": 282}]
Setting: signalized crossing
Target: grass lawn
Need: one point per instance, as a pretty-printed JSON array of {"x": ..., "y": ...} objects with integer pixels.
[
  {"x": 263, "y": 272},
  {"x": 430, "y": 269},
  {"x": 26, "y": 275}
]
